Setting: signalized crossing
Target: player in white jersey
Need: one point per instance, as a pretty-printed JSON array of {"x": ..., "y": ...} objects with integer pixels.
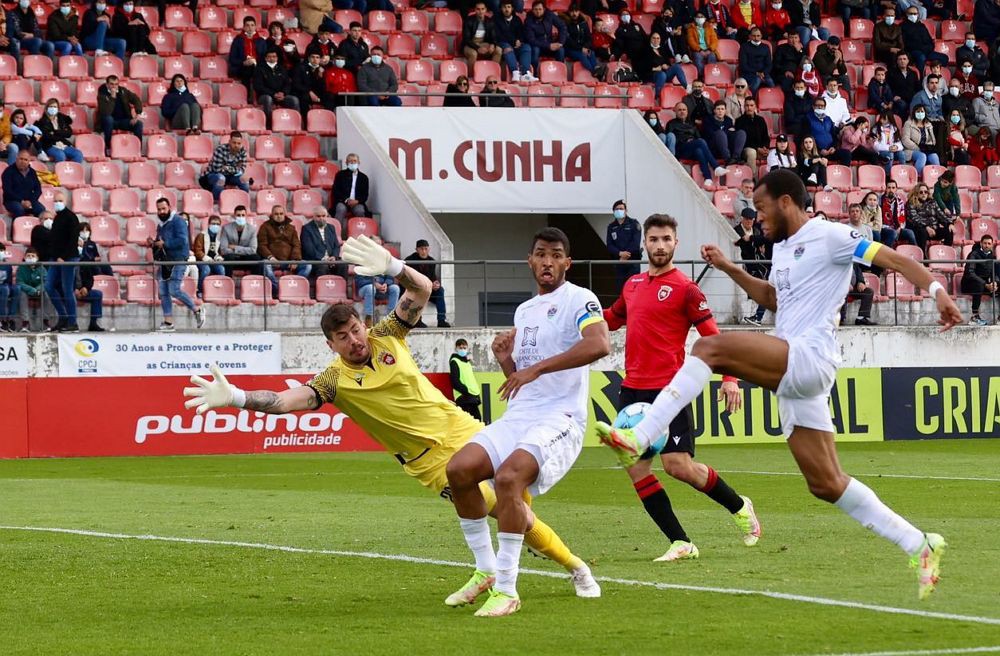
[
  {"x": 810, "y": 275},
  {"x": 556, "y": 335}
]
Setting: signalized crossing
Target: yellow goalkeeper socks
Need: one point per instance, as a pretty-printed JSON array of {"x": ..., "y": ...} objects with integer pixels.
[{"x": 544, "y": 540}]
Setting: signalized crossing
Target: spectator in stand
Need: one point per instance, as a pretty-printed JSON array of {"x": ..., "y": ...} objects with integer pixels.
[
  {"x": 579, "y": 44},
  {"x": 21, "y": 135},
  {"x": 653, "y": 120},
  {"x": 493, "y": 96},
  {"x": 956, "y": 101},
  {"x": 905, "y": 82},
  {"x": 917, "y": 4},
  {"x": 59, "y": 280},
  {"x": 836, "y": 104},
  {"x": 930, "y": 98},
  {"x": 671, "y": 31},
  {"x": 927, "y": 219},
  {"x": 725, "y": 141},
  {"x": 24, "y": 32},
  {"x": 422, "y": 261},
  {"x": 972, "y": 54},
  {"x": 858, "y": 140},
  {"x": 918, "y": 41},
  {"x": 880, "y": 95},
  {"x": 463, "y": 381},
  {"x": 460, "y": 85},
  {"x": 516, "y": 53},
  {"x": 854, "y": 219},
  {"x": 683, "y": 142},
  {"x": 755, "y": 60},
  {"x": 781, "y": 156},
  {"x": 545, "y": 33},
  {"x": 887, "y": 39},
  {"x": 657, "y": 66},
  {"x": 278, "y": 241},
  {"x": 829, "y": 61},
  {"x": 56, "y": 142},
  {"x": 90, "y": 253},
  {"x": 958, "y": 139},
  {"x": 309, "y": 85},
  {"x": 805, "y": 17},
  {"x": 893, "y": 207},
  {"x": 798, "y": 107},
  {"x": 718, "y": 16},
  {"x": 207, "y": 251},
  {"x": 986, "y": 20},
  {"x": 758, "y": 136},
  {"x": 735, "y": 101},
  {"x": 180, "y": 107},
  {"x": 322, "y": 44},
  {"x": 321, "y": 241},
  {"x": 744, "y": 198},
  {"x": 777, "y": 22},
  {"x": 63, "y": 30},
  {"x": 10, "y": 295},
  {"x": 94, "y": 32},
  {"x": 624, "y": 242},
  {"x": 746, "y": 16},
  {"x": 979, "y": 277},
  {"x": 946, "y": 194},
  {"x": 983, "y": 151},
  {"x": 942, "y": 9},
  {"x": 354, "y": 48},
  {"x": 131, "y": 27},
  {"x": 31, "y": 284},
  {"x": 787, "y": 58},
  {"x": 887, "y": 140},
  {"x": 21, "y": 187},
  {"x": 967, "y": 81},
  {"x": 84, "y": 292},
  {"x": 753, "y": 251},
  {"x": 288, "y": 53},
  {"x": 227, "y": 167},
  {"x": 7, "y": 44},
  {"x": 117, "y": 109},
  {"x": 239, "y": 241},
  {"x": 702, "y": 43},
  {"x": 859, "y": 290},
  {"x": 41, "y": 236},
  {"x": 810, "y": 78},
  {"x": 361, "y": 6},
  {"x": 479, "y": 37},
  {"x": 172, "y": 244},
  {"x": 273, "y": 86},
  {"x": 987, "y": 110},
  {"x": 372, "y": 288},
  {"x": 871, "y": 216},
  {"x": 350, "y": 190},
  {"x": 855, "y": 8},
  {"x": 812, "y": 164},
  {"x": 246, "y": 52},
  {"x": 603, "y": 41},
  {"x": 339, "y": 80},
  {"x": 378, "y": 79},
  {"x": 918, "y": 140},
  {"x": 699, "y": 105}
]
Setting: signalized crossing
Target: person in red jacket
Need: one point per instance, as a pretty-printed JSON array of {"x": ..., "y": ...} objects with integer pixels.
[
  {"x": 776, "y": 21},
  {"x": 339, "y": 79},
  {"x": 746, "y": 14},
  {"x": 983, "y": 150}
]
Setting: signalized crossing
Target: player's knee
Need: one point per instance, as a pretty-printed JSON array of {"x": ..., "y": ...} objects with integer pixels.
[
  {"x": 460, "y": 475},
  {"x": 508, "y": 482},
  {"x": 708, "y": 350},
  {"x": 681, "y": 469}
]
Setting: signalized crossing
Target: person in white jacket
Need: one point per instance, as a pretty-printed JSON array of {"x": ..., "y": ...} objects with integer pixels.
[
  {"x": 836, "y": 104},
  {"x": 781, "y": 156}
]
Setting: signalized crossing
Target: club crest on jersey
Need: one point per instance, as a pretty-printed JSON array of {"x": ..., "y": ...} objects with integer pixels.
[
  {"x": 781, "y": 275},
  {"x": 387, "y": 359},
  {"x": 530, "y": 337},
  {"x": 703, "y": 306},
  {"x": 664, "y": 293},
  {"x": 799, "y": 250},
  {"x": 553, "y": 311}
]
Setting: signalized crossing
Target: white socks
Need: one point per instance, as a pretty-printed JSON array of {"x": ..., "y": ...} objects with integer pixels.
[
  {"x": 477, "y": 536},
  {"x": 685, "y": 387},
  {"x": 508, "y": 559},
  {"x": 863, "y": 505}
]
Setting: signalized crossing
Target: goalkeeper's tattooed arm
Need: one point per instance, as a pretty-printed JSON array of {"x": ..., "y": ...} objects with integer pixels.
[
  {"x": 417, "y": 288},
  {"x": 278, "y": 403}
]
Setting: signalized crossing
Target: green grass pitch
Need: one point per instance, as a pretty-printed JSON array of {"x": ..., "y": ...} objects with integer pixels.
[{"x": 80, "y": 594}]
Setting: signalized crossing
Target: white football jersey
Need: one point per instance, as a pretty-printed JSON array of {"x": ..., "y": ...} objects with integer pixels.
[
  {"x": 811, "y": 272},
  {"x": 547, "y": 325}
]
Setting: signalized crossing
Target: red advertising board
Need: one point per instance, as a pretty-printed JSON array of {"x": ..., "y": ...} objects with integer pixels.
[{"x": 67, "y": 417}]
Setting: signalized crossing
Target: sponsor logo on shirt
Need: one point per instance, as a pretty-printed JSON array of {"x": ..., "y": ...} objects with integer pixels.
[
  {"x": 781, "y": 275},
  {"x": 703, "y": 306},
  {"x": 530, "y": 337},
  {"x": 664, "y": 292}
]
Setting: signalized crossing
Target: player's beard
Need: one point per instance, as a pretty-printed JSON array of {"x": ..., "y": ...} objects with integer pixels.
[
  {"x": 660, "y": 260},
  {"x": 548, "y": 284}
]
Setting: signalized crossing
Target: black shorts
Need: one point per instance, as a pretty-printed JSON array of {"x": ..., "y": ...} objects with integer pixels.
[{"x": 680, "y": 438}]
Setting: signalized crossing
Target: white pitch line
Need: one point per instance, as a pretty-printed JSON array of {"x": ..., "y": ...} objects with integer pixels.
[
  {"x": 822, "y": 601},
  {"x": 925, "y": 652},
  {"x": 982, "y": 479}
]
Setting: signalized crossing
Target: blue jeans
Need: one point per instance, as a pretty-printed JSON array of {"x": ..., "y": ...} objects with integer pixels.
[
  {"x": 301, "y": 270},
  {"x": 217, "y": 183},
  {"x": 516, "y": 59},
  {"x": 332, "y": 25},
  {"x": 109, "y": 124},
  {"x": 669, "y": 140},
  {"x": 16, "y": 209},
  {"x": 701, "y": 58},
  {"x": 62, "y": 154},
  {"x": 920, "y": 159},
  {"x": 890, "y": 236},
  {"x": 10, "y": 299},
  {"x": 660, "y": 78},
  {"x": 662, "y": 136},
  {"x": 208, "y": 270},
  {"x": 67, "y": 48},
  {"x": 35, "y": 46},
  {"x": 99, "y": 41},
  {"x": 846, "y": 13},
  {"x": 390, "y": 101},
  {"x": 805, "y": 34},
  {"x": 754, "y": 82},
  {"x": 905, "y": 4},
  {"x": 96, "y": 299},
  {"x": 170, "y": 289},
  {"x": 536, "y": 53},
  {"x": 898, "y": 157},
  {"x": 437, "y": 298},
  {"x": 59, "y": 285},
  {"x": 588, "y": 61},
  {"x": 12, "y": 150},
  {"x": 727, "y": 145},
  {"x": 697, "y": 149},
  {"x": 360, "y": 5},
  {"x": 368, "y": 296}
]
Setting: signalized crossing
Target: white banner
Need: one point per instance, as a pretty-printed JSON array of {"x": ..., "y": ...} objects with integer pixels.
[
  {"x": 177, "y": 354},
  {"x": 504, "y": 161},
  {"x": 14, "y": 357}
]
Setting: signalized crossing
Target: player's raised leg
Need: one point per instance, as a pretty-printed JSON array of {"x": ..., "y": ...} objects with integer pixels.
[{"x": 466, "y": 469}]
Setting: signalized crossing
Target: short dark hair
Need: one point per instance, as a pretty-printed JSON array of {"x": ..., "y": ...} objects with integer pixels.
[
  {"x": 933, "y": 76},
  {"x": 620, "y": 201},
  {"x": 784, "y": 182},
  {"x": 984, "y": 238},
  {"x": 537, "y": 2},
  {"x": 853, "y": 205},
  {"x": 235, "y": 134},
  {"x": 660, "y": 221},
  {"x": 274, "y": 24},
  {"x": 249, "y": 19},
  {"x": 337, "y": 316},
  {"x": 948, "y": 176},
  {"x": 353, "y": 25},
  {"x": 111, "y": 78},
  {"x": 423, "y": 243},
  {"x": 379, "y": 48},
  {"x": 31, "y": 250},
  {"x": 460, "y": 341},
  {"x": 722, "y": 103},
  {"x": 163, "y": 199},
  {"x": 238, "y": 208},
  {"x": 552, "y": 236}
]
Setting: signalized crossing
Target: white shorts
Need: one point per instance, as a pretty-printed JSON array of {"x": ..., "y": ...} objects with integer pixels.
[
  {"x": 804, "y": 390},
  {"x": 554, "y": 440}
]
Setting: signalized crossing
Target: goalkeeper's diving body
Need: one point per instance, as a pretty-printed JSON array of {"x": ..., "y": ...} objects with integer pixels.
[{"x": 376, "y": 382}]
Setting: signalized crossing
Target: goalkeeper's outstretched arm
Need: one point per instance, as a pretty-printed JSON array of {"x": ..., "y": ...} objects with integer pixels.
[
  {"x": 417, "y": 289},
  {"x": 371, "y": 259},
  {"x": 220, "y": 393}
]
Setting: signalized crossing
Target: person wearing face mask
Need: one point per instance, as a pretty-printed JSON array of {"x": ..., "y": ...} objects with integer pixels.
[
  {"x": 322, "y": 44},
  {"x": 273, "y": 86},
  {"x": 22, "y": 190},
  {"x": 798, "y": 105},
  {"x": 822, "y": 131},
  {"x": 699, "y": 105},
  {"x": 56, "y": 142},
  {"x": 22, "y": 135},
  {"x": 887, "y": 142},
  {"x": 983, "y": 151},
  {"x": 755, "y": 62},
  {"x": 654, "y": 123},
  {"x": 238, "y": 243},
  {"x": 64, "y": 244},
  {"x": 970, "y": 53},
  {"x": 379, "y": 80},
  {"x": 24, "y": 31},
  {"x": 746, "y": 16},
  {"x": 979, "y": 276},
  {"x": 871, "y": 216},
  {"x": 810, "y": 78},
  {"x": 702, "y": 42},
  {"x": 63, "y": 30},
  {"x": 986, "y": 110},
  {"x": 308, "y": 84},
  {"x": 630, "y": 37},
  {"x": 350, "y": 190},
  {"x": 958, "y": 139},
  {"x": 31, "y": 285},
  {"x": 180, "y": 106},
  {"x": 787, "y": 57},
  {"x": 287, "y": 50},
  {"x": 777, "y": 22},
  {"x": 338, "y": 79},
  {"x": 917, "y": 41},
  {"x": 10, "y": 295},
  {"x": 919, "y": 141},
  {"x": 118, "y": 108},
  {"x": 94, "y": 32},
  {"x": 464, "y": 385},
  {"x": 131, "y": 26},
  {"x": 624, "y": 242},
  {"x": 887, "y": 39},
  {"x": 967, "y": 81},
  {"x": 671, "y": 30},
  {"x": 321, "y": 241},
  {"x": 246, "y": 52},
  {"x": 90, "y": 253},
  {"x": 656, "y": 65},
  {"x": 41, "y": 237},
  {"x": 172, "y": 244},
  {"x": 207, "y": 251}
]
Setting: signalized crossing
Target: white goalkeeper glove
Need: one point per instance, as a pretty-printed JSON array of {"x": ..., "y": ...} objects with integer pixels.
[
  {"x": 370, "y": 258},
  {"x": 217, "y": 393}
]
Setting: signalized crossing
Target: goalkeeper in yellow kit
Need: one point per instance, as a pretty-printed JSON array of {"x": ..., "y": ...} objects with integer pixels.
[{"x": 376, "y": 382}]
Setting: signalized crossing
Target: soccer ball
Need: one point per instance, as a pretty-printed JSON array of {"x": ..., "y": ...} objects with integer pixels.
[{"x": 630, "y": 416}]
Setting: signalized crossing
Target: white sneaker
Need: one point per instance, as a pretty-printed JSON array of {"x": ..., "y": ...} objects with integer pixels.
[
  {"x": 166, "y": 327},
  {"x": 42, "y": 157},
  {"x": 585, "y": 583},
  {"x": 685, "y": 59},
  {"x": 100, "y": 53},
  {"x": 199, "y": 316},
  {"x": 679, "y": 550},
  {"x": 827, "y": 188},
  {"x": 515, "y": 76},
  {"x": 812, "y": 178},
  {"x": 528, "y": 77},
  {"x": 708, "y": 184},
  {"x": 721, "y": 171},
  {"x": 141, "y": 53}
]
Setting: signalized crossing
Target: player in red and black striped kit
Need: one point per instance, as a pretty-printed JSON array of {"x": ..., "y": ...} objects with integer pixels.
[{"x": 659, "y": 307}]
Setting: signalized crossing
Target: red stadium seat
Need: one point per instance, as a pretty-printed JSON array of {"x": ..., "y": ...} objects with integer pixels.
[
  {"x": 871, "y": 177},
  {"x": 552, "y": 72},
  {"x": 268, "y": 198},
  {"x": 8, "y": 68},
  {"x": 862, "y": 29},
  {"x": 321, "y": 174},
  {"x": 671, "y": 94},
  {"x": 155, "y": 91},
  {"x": 718, "y": 75},
  {"x": 321, "y": 122},
  {"x": 723, "y": 201},
  {"x": 125, "y": 202},
  {"x": 160, "y": 192},
  {"x": 968, "y": 177},
  {"x": 216, "y": 120},
  {"x": 729, "y": 51},
  {"x": 343, "y": 16},
  {"x": 111, "y": 294},
  {"x": 196, "y": 43},
  {"x": 73, "y": 67},
  {"x": 419, "y": 71},
  {"x": 146, "y": 175},
  {"x": 91, "y": 145},
  {"x": 835, "y": 25},
  {"x": 434, "y": 46},
  {"x": 854, "y": 51},
  {"x": 910, "y": 251},
  {"x": 904, "y": 175},
  {"x": 483, "y": 69},
  {"x": 540, "y": 95},
  {"x": 607, "y": 96},
  {"x": 305, "y": 148},
  {"x": 21, "y": 231},
  {"x": 219, "y": 290},
  {"x": 448, "y": 22},
  {"x": 190, "y": 287},
  {"x": 106, "y": 231},
  {"x": 278, "y": 14},
  {"x": 162, "y": 147},
  {"x": 989, "y": 203},
  {"x": 87, "y": 201},
  {"x": 258, "y": 172},
  {"x": 198, "y": 202},
  {"x": 452, "y": 70},
  {"x": 771, "y": 99},
  {"x": 212, "y": 19},
  {"x": 567, "y": 97},
  {"x": 932, "y": 172},
  {"x": 900, "y": 288},
  {"x": 144, "y": 67},
  {"x": 286, "y": 121},
  {"x": 361, "y": 225},
  {"x": 289, "y": 175},
  {"x": 268, "y": 149},
  {"x": 257, "y": 290},
  {"x": 304, "y": 201},
  {"x": 414, "y": 21},
  {"x": 251, "y": 120},
  {"x": 233, "y": 95},
  {"x": 178, "y": 66},
  {"x": 952, "y": 30},
  {"x": 18, "y": 92},
  {"x": 198, "y": 148},
  {"x": 838, "y": 176},
  {"x": 86, "y": 93},
  {"x": 141, "y": 289},
  {"x": 37, "y": 67},
  {"x": 151, "y": 15},
  {"x": 107, "y": 175},
  {"x": 230, "y": 198},
  {"x": 119, "y": 254},
  {"x": 214, "y": 69},
  {"x": 401, "y": 45},
  {"x": 582, "y": 76},
  {"x": 294, "y": 290},
  {"x": 138, "y": 229},
  {"x": 938, "y": 252},
  {"x": 71, "y": 176},
  {"x": 641, "y": 97},
  {"x": 165, "y": 42},
  {"x": 830, "y": 203},
  {"x": 381, "y": 21},
  {"x": 331, "y": 290},
  {"x": 945, "y": 48},
  {"x": 983, "y": 226}
]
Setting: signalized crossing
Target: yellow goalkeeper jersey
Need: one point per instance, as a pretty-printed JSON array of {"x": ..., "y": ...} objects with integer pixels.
[{"x": 392, "y": 400}]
